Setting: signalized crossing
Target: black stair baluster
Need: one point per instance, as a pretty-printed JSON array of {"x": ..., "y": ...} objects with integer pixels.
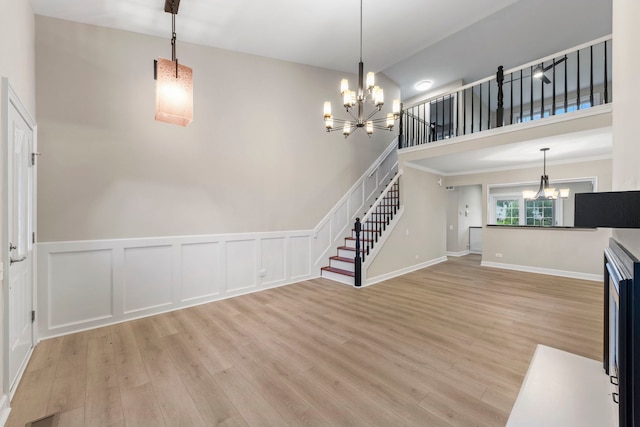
[
  {"x": 553, "y": 93},
  {"x": 521, "y": 94},
  {"x": 531, "y": 94},
  {"x": 606, "y": 75},
  {"x": 489, "y": 104},
  {"x": 578, "y": 79},
  {"x": 472, "y": 104},
  {"x": 464, "y": 112},
  {"x": 480, "y": 118},
  {"x": 542, "y": 98},
  {"x": 566, "y": 100},
  {"x": 357, "y": 259},
  {"x": 591, "y": 76}
]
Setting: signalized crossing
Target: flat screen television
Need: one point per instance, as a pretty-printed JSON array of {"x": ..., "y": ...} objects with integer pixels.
[{"x": 621, "y": 355}]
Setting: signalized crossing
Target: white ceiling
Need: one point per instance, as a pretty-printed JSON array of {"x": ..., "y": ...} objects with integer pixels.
[
  {"x": 320, "y": 33},
  {"x": 567, "y": 148},
  {"x": 408, "y": 40}
]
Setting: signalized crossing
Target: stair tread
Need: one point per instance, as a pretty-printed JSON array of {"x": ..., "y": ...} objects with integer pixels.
[
  {"x": 339, "y": 271},
  {"x": 347, "y": 248},
  {"x": 343, "y": 259}
]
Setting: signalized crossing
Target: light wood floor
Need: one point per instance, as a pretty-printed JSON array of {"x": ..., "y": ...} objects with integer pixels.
[{"x": 448, "y": 345}]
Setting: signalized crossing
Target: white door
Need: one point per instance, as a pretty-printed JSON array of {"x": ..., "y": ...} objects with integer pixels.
[{"x": 19, "y": 176}]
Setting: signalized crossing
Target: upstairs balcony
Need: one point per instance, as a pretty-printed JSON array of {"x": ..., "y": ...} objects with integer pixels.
[{"x": 564, "y": 84}]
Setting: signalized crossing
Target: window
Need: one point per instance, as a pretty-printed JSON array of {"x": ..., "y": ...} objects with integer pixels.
[
  {"x": 513, "y": 209},
  {"x": 540, "y": 212},
  {"x": 507, "y": 206},
  {"x": 507, "y": 211},
  {"x": 572, "y": 105}
]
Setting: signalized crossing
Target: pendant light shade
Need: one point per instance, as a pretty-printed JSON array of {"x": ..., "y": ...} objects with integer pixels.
[
  {"x": 174, "y": 95},
  {"x": 174, "y": 81}
]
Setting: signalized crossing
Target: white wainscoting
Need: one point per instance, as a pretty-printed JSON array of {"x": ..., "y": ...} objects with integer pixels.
[{"x": 86, "y": 284}]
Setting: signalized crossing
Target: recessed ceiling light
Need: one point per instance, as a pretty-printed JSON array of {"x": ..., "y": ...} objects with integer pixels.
[{"x": 423, "y": 85}]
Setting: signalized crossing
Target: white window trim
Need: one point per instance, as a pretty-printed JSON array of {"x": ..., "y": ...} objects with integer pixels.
[{"x": 493, "y": 199}]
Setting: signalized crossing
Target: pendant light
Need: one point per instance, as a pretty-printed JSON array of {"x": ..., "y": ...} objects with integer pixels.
[
  {"x": 174, "y": 81},
  {"x": 367, "y": 91},
  {"x": 545, "y": 192}
]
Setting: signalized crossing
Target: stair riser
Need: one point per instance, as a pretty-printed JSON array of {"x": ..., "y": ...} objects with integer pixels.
[
  {"x": 347, "y": 254},
  {"x": 335, "y": 263},
  {"x": 348, "y": 280}
]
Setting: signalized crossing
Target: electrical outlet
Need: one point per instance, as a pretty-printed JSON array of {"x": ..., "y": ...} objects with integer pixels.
[{"x": 498, "y": 255}]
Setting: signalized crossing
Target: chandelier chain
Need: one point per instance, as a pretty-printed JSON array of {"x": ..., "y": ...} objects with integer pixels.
[
  {"x": 360, "y": 30},
  {"x": 173, "y": 37}
]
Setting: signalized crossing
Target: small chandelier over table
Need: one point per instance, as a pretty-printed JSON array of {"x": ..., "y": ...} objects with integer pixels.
[
  {"x": 545, "y": 192},
  {"x": 355, "y": 101}
]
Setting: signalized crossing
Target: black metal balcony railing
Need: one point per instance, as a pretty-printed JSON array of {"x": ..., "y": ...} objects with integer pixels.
[{"x": 572, "y": 80}]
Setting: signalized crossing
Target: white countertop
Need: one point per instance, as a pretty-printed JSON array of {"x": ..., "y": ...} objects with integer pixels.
[{"x": 563, "y": 390}]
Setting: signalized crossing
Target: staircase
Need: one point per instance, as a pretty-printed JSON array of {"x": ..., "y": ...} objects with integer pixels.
[{"x": 364, "y": 236}]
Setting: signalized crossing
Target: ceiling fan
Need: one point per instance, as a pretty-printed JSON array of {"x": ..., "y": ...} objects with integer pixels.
[{"x": 538, "y": 72}]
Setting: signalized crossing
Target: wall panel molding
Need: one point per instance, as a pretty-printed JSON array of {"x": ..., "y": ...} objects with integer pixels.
[{"x": 88, "y": 284}]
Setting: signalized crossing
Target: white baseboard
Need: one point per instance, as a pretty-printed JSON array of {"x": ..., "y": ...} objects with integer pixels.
[
  {"x": 4, "y": 409},
  {"x": 458, "y": 254},
  {"x": 548, "y": 271},
  {"x": 391, "y": 275}
]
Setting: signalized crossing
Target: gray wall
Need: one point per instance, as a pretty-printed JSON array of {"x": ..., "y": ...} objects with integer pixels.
[
  {"x": 626, "y": 149},
  {"x": 419, "y": 236},
  {"x": 255, "y": 158},
  {"x": 464, "y": 210},
  {"x": 577, "y": 251}
]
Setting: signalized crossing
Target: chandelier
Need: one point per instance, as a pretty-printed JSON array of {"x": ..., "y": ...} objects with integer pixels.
[
  {"x": 354, "y": 102},
  {"x": 545, "y": 192},
  {"x": 174, "y": 82}
]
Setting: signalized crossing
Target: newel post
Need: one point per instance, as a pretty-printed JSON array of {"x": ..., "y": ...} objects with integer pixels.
[
  {"x": 500, "y": 110},
  {"x": 358, "y": 259}
]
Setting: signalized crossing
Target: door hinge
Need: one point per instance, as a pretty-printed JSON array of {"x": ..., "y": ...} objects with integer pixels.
[
  {"x": 33, "y": 316},
  {"x": 33, "y": 158},
  {"x": 33, "y": 237}
]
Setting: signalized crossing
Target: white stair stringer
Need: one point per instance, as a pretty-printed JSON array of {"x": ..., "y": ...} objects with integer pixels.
[
  {"x": 378, "y": 246},
  {"x": 348, "y": 251}
]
